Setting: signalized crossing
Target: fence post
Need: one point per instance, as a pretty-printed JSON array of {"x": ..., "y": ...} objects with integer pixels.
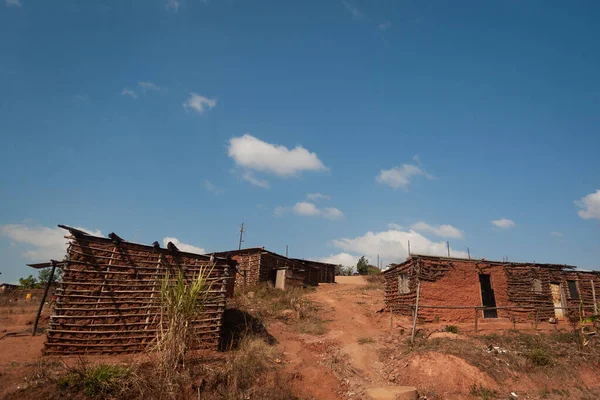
[
  {"x": 39, "y": 312},
  {"x": 391, "y": 318},
  {"x": 416, "y": 313},
  {"x": 594, "y": 297},
  {"x": 476, "y": 319}
]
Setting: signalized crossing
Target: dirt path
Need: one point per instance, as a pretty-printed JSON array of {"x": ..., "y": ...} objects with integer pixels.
[{"x": 349, "y": 349}]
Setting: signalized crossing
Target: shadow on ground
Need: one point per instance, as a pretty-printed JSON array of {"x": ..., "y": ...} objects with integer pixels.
[{"x": 236, "y": 325}]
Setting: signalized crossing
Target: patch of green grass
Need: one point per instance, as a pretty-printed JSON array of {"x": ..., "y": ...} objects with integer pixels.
[
  {"x": 540, "y": 357},
  {"x": 451, "y": 328},
  {"x": 366, "y": 340},
  {"x": 482, "y": 392},
  {"x": 97, "y": 381}
]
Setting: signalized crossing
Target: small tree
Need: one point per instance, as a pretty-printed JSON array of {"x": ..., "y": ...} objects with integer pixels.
[
  {"x": 27, "y": 283},
  {"x": 373, "y": 270},
  {"x": 44, "y": 276},
  {"x": 340, "y": 270},
  {"x": 362, "y": 266}
]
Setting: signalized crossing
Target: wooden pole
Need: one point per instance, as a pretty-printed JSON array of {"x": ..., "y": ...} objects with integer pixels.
[
  {"x": 469, "y": 253},
  {"x": 594, "y": 297},
  {"x": 416, "y": 313},
  {"x": 391, "y": 319},
  {"x": 409, "y": 248},
  {"x": 476, "y": 319},
  {"x": 39, "y": 312}
]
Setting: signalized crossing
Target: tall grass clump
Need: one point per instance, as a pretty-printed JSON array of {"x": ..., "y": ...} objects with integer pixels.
[{"x": 181, "y": 301}]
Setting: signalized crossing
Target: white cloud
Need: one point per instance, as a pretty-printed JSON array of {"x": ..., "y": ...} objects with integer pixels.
[
  {"x": 391, "y": 245},
  {"x": 590, "y": 206},
  {"x": 46, "y": 243},
  {"x": 447, "y": 231},
  {"x": 384, "y": 26},
  {"x": 355, "y": 11},
  {"x": 211, "y": 187},
  {"x": 504, "y": 223},
  {"x": 394, "y": 226},
  {"x": 13, "y": 3},
  {"x": 307, "y": 209},
  {"x": 249, "y": 177},
  {"x": 199, "y": 103},
  {"x": 556, "y": 234},
  {"x": 173, "y": 5},
  {"x": 148, "y": 86},
  {"x": 317, "y": 196},
  {"x": 183, "y": 246},
  {"x": 344, "y": 259},
  {"x": 130, "y": 93},
  {"x": 252, "y": 153},
  {"x": 332, "y": 213},
  {"x": 400, "y": 177}
]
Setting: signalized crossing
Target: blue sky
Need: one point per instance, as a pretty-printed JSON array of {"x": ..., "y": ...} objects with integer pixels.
[{"x": 339, "y": 128}]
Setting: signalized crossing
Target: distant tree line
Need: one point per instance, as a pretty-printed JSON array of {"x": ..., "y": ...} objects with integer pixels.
[
  {"x": 43, "y": 276},
  {"x": 362, "y": 268}
]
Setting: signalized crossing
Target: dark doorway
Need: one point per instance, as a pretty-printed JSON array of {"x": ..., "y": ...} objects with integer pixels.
[{"x": 487, "y": 296}]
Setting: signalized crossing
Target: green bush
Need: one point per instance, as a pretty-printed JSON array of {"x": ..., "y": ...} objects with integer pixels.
[
  {"x": 451, "y": 328},
  {"x": 540, "y": 357}
]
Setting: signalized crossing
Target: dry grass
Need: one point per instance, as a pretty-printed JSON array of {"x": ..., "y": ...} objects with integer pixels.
[
  {"x": 250, "y": 373},
  {"x": 291, "y": 307},
  {"x": 556, "y": 354},
  {"x": 365, "y": 340},
  {"x": 181, "y": 302}
]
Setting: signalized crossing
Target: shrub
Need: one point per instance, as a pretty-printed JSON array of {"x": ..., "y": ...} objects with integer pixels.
[
  {"x": 540, "y": 357},
  {"x": 181, "y": 301},
  {"x": 451, "y": 328},
  {"x": 102, "y": 380}
]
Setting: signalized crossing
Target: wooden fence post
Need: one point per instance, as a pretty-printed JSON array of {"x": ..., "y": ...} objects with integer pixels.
[
  {"x": 416, "y": 312},
  {"x": 594, "y": 297},
  {"x": 39, "y": 312},
  {"x": 476, "y": 319}
]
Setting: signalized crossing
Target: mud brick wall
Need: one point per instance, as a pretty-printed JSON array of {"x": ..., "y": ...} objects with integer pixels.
[
  {"x": 248, "y": 263},
  {"x": 585, "y": 290},
  {"x": 455, "y": 282},
  {"x": 459, "y": 286},
  {"x": 325, "y": 272},
  {"x": 520, "y": 286},
  {"x": 109, "y": 297},
  {"x": 395, "y": 301},
  {"x": 270, "y": 262}
]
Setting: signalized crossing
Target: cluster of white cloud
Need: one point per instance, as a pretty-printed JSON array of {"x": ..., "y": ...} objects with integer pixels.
[
  {"x": 307, "y": 209},
  {"x": 189, "y": 248},
  {"x": 199, "y": 103},
  {"x": 252, "y": 154},
  {"x": 317, "y": 196},
  {"x": 400, "y": 177},
  {"x": 447, "y": 231},
  {"x": 590, "y": 206},
  {"x": 13, "y": 3},
  {"x": 390, "y": 245},
  {"x": 44, "y": 243},
  {"x": 503, "y": 223},
  {"x": 143, "y": 86}
]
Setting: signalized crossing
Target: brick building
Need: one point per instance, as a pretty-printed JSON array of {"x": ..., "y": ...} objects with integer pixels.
[
  {"x": 445, "y": 281},
  {"x": 257, "y": 265}
]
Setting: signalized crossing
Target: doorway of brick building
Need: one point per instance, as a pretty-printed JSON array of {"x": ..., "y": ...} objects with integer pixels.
[{"x": 487, "y": 296}]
